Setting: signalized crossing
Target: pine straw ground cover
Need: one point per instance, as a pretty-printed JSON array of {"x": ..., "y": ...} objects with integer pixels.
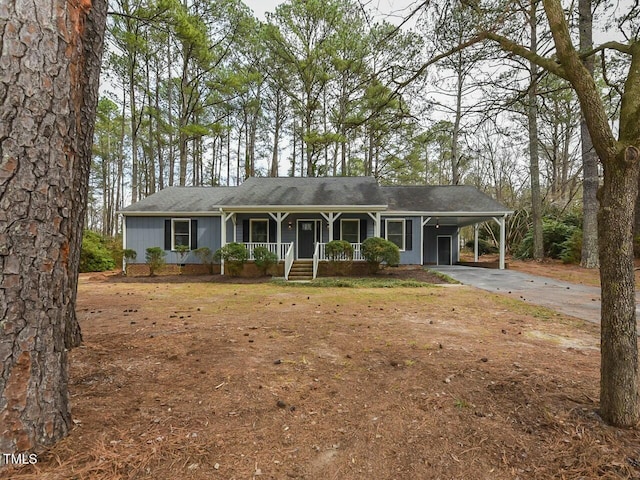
[{"x": 201, "y": 380}]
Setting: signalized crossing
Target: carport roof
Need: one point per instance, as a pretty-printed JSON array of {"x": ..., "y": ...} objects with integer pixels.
[{"x": 441, "y": 199}]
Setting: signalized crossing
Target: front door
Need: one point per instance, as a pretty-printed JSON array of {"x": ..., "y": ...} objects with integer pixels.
[
  {"x": 306, "y": 238},
  {"x": 444, "y": 250}
]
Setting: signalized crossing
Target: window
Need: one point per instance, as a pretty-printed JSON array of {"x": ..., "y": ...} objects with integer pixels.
[
  {"x": 350, "y": 230},
  {"x": 259, "y": 231},
  {"x": 180, "y": 233},
  {"x": 395, "y": 232}
]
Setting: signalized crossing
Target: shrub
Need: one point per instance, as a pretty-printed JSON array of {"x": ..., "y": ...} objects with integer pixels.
[
  {"x": 155, "y": 259},
  {"x": 264, "y": 259},
  {"x": 485, "y": 247},
  {"x": 554, "y": 234},
  {"x": 95, "y": 255},
  {"x": 128, "y": 254},
  {"x": 205, "y": 255},
  {"x": 339, "y": 250},
  {"x": 340, "y": 255},
  {"x": 572, "y": 248},
  {"x": 182, "y": 251},
  {"x": 376, "y": 250},
  {"x": 234, "y": 255}
]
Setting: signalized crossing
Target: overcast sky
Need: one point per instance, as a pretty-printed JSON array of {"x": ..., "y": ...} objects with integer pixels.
[{"x": 394, "y": 7}]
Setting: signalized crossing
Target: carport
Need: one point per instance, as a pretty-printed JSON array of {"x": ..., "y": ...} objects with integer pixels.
[{"x": 443, "y": 211}]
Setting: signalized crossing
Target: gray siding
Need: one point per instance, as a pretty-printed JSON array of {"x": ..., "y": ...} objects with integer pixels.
[
  {"x": 431, "y": 235},
  {"x": 145, "y": 232},
  {"x": 410, "y": 256}
]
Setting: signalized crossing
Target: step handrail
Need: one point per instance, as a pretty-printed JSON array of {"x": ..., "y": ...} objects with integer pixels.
[
  {"x": 316, "y": 258},
  {"x": 288, "y": 261}
]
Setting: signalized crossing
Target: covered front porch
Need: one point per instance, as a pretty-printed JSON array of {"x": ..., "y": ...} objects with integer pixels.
[{"x": 299, "y": 235}]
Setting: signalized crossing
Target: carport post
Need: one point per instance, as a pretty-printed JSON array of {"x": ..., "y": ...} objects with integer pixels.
[
  {"x": 475, "y": 243},
  {"x": 501, "y": 222}
]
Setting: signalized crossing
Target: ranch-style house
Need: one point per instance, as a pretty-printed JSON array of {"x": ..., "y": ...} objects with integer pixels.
[{"x": 295, "y": 217}]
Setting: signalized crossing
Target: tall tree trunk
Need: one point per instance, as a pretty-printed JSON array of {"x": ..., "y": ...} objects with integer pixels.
[
  {"x": 48, "y": 97},
  {"x": 619, "y": 341},
  {"x": 157, "y": 134},
  {"x": 589, "y": 157},
  {"x": 276, "y": 138},
  {"x": 617, "y": 197},
  {"x": 293, "y": 155},
  {"x": 172, "y": 155},
  {"x": 534, "y": 168},
  {"x": 455, "y": 138},
  {"x": 135, "y": 195},
  {"x": 182, "y": 146}
]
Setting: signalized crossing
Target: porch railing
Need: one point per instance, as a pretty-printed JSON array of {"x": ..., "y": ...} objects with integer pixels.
[
  {"x": 289, "y": 257},
  {"x": 271, "y": 246},
  {"x": 320, "y": 254},
  {"x": 357, "y": 252}
]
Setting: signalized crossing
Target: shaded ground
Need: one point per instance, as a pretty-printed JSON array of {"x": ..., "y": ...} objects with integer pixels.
[{"x": 201, "y": 380}]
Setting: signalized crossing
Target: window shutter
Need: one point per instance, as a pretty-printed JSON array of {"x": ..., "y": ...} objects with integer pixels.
[
  {"x": 336, "y": 230},
  {"x": 194, "y": 234},
  {"x": 363, "y": 229},
  {"x": 273, "y": 230},
  {"x": 245, "y": 231},
  {"x": 408, "y": 235},
  {"x": 167, "y": 234},
  {"x": 383, "y": 224}
]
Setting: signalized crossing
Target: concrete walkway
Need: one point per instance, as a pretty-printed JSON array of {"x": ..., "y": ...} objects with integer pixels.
[{"x": 568, "y": 298}]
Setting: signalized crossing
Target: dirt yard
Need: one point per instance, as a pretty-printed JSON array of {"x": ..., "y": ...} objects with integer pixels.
[{"x": 185, "y": 378}]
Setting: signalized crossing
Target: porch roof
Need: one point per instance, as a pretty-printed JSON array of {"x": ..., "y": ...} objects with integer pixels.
[{"x": 339, "y": 193}]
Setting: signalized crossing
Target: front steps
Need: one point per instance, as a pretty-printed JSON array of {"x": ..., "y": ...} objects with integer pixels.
[{"x": 301, "y": 270}]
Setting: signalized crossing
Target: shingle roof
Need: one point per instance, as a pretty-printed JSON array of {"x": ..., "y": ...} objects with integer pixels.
[
  {"x": 318, "y": 192},
  {"x": 309, "y": 191},
  {"x": 181, "y": 200},
  {"x": 441, "y": 199}
]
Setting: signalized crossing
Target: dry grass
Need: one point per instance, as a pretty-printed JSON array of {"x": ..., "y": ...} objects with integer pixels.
[{"x": 236, "y": 381}]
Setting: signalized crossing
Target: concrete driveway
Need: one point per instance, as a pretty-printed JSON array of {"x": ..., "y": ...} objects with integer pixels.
[{"x": 568, "y": 298}]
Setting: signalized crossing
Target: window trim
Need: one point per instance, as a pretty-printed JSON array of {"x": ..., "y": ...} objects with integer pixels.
[
  {"x": 351, "y": 220},
  {"x": 258, "y": 220},
  {"x": 403, "y": 222},
  {"x": 173, "y": 232}
]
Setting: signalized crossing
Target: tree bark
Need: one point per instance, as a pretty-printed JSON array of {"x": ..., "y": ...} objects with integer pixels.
[
  {"x": 589, "y": 258},
  {"x": 455, "y": 138},
  {"x": 48, "y": 97},
  {"x": 620, "y": 160},
  {"x": 618, "y": 342}
]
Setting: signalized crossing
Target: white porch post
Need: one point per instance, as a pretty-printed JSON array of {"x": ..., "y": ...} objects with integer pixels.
[
  {"x": 224, "y": 218},
  {"x": 422, "y": 225},
  {"x": 279, "y": 218},
  {"x": 501, "y": 222},
  {"x": 475, "y": 243},
  {"x": 330, "y": 218},
  {"x": 376, "y": 223},
  {"x": 235, "y": 227}
]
